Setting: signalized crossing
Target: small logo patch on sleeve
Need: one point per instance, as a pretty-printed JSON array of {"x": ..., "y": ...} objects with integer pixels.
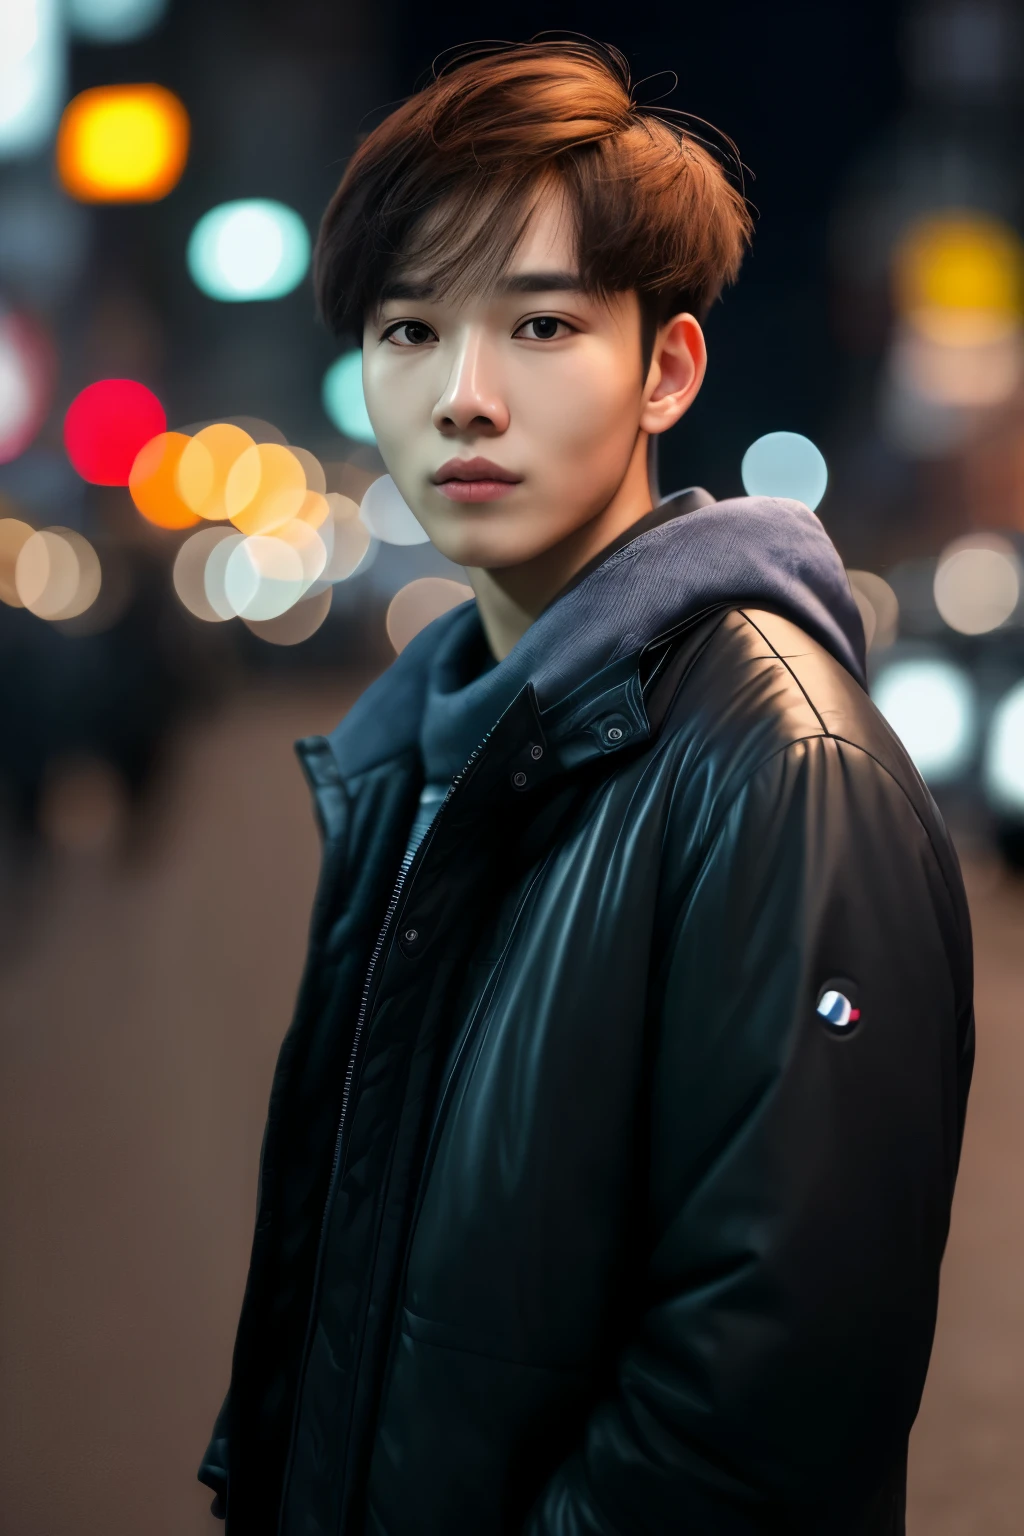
[{"x": 838, "y": 1005}]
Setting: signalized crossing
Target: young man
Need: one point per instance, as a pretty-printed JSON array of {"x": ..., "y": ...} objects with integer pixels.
[{"x": 610, "y": 1153}]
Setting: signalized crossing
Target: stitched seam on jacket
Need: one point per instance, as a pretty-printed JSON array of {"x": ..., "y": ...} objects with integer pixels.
[{"x": 780, "y": 658}]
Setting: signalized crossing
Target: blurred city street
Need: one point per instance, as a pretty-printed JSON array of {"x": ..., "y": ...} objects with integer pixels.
[{"x": 141, "y": 1025}]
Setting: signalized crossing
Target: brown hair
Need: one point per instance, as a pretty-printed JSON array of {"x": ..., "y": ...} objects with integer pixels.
[{"x": 446, "y": 184}]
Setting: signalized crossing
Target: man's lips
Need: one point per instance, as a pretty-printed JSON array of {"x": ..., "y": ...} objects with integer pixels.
[{"x": 474, "y": 480}]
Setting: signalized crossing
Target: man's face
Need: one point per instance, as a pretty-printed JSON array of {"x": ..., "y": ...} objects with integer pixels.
[{"x": 507, "y": 421}]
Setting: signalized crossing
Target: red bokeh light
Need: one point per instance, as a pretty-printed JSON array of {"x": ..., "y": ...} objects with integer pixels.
[{"x": 107, "y": 424}]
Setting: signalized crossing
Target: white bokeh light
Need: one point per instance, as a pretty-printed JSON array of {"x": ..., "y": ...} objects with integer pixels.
[
  {"x": 263, "y": 577},
  {"x": 386, "y": 514},
  {"x": 31, "y": 74},
  {"x": 1004, "y": 752},
  {"x": 977, "y": 583},
  {"x": 930, "y": 704}
]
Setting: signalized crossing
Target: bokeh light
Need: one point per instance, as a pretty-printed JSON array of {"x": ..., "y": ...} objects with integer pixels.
[
  {"x": 299, "y": 623},
  {"x": 309, "y": 545},
  {"x": 215, "y": 574},
  {"x": 122, "y": 144},
  {"x": 31, "y": 73},
  {"x": 349, "y": 539},
  {"x": 113, "y": 21},
  {"x": 203, "y": 469},
  {"x": 964, "y": 262},
  {"x": 879, "y": 608},
  {"x": 388, "y": 517},
  {"x": 1003, "y": 770},
  {"x": 190, "y": 573},
  {"x": 958, "y": 281},
  {"x": 316, "y": 478},
  {"x": 263, "y": 577},
  {"x": 57, "y": 574},
  {"x": 250, "y": 249},
  {"x": 949, "y": 371},
  {"x": 153, "y": 482},
  {"x": 930, "y": 704},
  {"x": 105, "y": 427},
  {"x": 14, "y": 534},
  {"x": 26, "y": 383},
  {"x": 418, "y": 603},
  {"x": 977, "y": 583},
  {"x": 785, "y": 464},
  {"x": 343, "y": 398},
  {"x": 264, "y": 488}
]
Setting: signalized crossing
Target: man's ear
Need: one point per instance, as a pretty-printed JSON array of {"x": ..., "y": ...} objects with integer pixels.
[{"x": 678, "y": 364}]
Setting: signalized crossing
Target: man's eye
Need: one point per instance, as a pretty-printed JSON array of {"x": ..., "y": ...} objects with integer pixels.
[
  {"x": 542, "y": 328},
  {"x": 409, "y": 333}
]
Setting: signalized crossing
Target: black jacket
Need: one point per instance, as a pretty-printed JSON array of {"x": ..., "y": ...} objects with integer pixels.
[{"x": 621, "y": 1236}]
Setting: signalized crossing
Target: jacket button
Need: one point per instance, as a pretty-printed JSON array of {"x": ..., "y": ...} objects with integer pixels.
[
  {"x": 536, "y": 753},
  {"x": 519, "y": 779},
  {"x": 411, "y": 935},
  {"x": 614, "y": 733}
]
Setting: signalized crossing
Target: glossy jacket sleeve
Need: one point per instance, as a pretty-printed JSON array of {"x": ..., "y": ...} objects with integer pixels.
[{"x": 800, "y": 1175}]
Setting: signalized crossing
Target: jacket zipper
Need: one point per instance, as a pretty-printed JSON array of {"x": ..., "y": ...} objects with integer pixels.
[
  {"x": 396, "y": 895},
  {"x": 364, "y": 1002}
]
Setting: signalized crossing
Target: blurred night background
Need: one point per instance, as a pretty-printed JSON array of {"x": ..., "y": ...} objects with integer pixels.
[{"x": 182, "y": 595}]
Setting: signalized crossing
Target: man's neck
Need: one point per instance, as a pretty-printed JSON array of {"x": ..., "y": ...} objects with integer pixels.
[{"x": 510, "y": 598}]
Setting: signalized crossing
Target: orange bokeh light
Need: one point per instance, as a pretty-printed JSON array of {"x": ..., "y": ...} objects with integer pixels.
[
  {"x": 153, "y": 482},
  {"x": 122, "y": 144},
  {"x": 204, "y": 466}
]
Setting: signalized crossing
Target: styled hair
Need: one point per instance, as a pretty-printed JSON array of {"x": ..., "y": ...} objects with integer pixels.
[{"x": 445, "y": 185}]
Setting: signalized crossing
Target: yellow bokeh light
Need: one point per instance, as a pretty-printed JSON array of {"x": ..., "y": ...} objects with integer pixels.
[
  {"x": 153, "y": 482},
  {"x": 960, "y": 261},
  {"x": 204, "y": 467},
  {"x": 122, "y": 144},
  {"x": 265, "y": 488}
]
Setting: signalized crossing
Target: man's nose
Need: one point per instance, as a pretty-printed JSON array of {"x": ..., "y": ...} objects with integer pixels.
[{"x": 472, "y": 400}]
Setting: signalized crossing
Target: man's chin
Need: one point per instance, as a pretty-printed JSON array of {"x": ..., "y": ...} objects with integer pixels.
[{"x": 483, "y": 536}]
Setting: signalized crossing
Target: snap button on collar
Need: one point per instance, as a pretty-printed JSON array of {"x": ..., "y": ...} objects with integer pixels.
[{"x": 615, "y": 729}]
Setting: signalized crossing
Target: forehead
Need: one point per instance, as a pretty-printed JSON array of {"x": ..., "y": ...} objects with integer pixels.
[
  {"x": 544, "y": 259},
  {"x": 549, "y": 240}
]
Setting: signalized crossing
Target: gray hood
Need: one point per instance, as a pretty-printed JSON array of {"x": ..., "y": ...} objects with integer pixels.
[{"x": 446, "y": 691}]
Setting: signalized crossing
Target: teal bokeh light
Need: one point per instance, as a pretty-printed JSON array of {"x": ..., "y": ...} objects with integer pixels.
[
  {"x": 250, "y": 249},
  {"x": 342, "y": 395},
  {"x": 785, "y": 464},
  {"x": 113, "y": 21}
]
